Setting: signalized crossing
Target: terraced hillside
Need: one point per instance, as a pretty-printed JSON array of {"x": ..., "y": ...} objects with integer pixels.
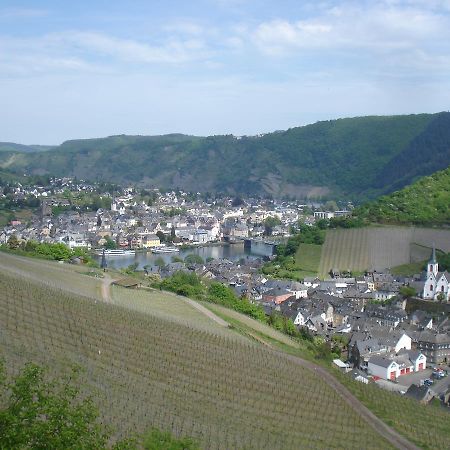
[
  {"x": 378, "y": 248},
  {"x": 148, "y": 371}
]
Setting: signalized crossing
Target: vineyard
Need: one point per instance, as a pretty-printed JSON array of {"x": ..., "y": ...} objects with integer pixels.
[
  {"x": 426, "y": 425},
  {"x": 166, "y": 306},
  {"x": 378, "y": 248},
  {"x": 148, "y": 371},
  {"x": 64, "y": 276}
]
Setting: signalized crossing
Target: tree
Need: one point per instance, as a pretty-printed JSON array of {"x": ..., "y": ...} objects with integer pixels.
[
  {"x": 13, "y": 242},
  {"x": 161, "y": 235},
  {"x": 408, "y": 291},
  {"x": 237, "y": 201},
  {"x": 331, "y": 205},
  {"x": 47, "y": 414},
  {"x": 269, "y": 223},
  {"x": 176, "y": 259},
  {"x": 159, "y": 261},
  {"x": 110, "y": 244},
  {"x": 193, "y": 259}
]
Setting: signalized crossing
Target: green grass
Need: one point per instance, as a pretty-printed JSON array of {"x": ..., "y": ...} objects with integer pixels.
[
  {"x": 164, "y": 305},
  {"x": 307, "y": 257},
  {"x": 248, "y": 323},
  {"x": 61, "y": 276},
  {"x": 145, "y": 371},
  {"x": 407, "y": 269}
]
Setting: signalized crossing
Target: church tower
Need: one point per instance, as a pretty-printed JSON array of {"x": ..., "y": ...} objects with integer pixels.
[{"x": 432, "y": 264}]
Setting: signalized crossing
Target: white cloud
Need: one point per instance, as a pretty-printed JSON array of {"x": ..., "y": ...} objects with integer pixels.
[
  {"x": 81, "y": 51},
  {"x": 376, "y": 27}
]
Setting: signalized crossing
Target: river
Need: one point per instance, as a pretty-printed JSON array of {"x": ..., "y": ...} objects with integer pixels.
[{"x": 233, "y": 252}]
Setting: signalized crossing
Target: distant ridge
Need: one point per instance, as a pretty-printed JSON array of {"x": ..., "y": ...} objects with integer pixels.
[
  {"x": 356, "y": 158},
  {"x": 12, "y": 147}
]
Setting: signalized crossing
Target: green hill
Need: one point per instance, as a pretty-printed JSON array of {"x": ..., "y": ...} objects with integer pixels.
[
  {"x": 12, "y": 147},
  {"x": 427, "y": 201},
  {"x": 356, "y": 158}
]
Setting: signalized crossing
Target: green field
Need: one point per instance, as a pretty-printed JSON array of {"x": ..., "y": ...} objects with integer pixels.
[
  {"x": 379, "y": 248},
  {"x": 307, "y": 257},
  {"x": 146, "y": 371},
  {"x": 407, "y": 269}
]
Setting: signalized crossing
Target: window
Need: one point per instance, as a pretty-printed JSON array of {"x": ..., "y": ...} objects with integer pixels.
[{"x": 431, "y": 287}]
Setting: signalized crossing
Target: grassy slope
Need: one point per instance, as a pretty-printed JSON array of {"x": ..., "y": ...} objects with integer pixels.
[
  {"x": 146, "y": 371},
  {"x": 339, "y": 156},
  {"x": 166, "y": 306},
  {"x": 308, "y": 257},
  {"x": 60, "y": 276},
  {"x": 427, "y": 201}
]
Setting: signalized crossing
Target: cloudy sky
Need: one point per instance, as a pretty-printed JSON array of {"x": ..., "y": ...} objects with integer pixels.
[{"x": 94, "y": 68}]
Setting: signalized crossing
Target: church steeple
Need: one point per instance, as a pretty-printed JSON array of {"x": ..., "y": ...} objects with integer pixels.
[
  {"x": 433, "y": 256},
  {"x": 432, "y": 265}
]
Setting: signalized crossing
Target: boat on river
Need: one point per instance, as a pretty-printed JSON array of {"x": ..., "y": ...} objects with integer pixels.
[
  {"x": 117, "y": 252},
  {"x": 165, "y": 250}
]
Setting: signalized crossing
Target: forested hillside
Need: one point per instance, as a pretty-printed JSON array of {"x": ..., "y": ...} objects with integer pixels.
[
  {"x": 356, "y": 158},
  {"x": 427, "y": 201},
  {"x": 11, "y": 147}
]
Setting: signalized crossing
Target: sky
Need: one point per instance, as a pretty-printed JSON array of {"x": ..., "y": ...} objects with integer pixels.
[{"x": 83, "y": 69}]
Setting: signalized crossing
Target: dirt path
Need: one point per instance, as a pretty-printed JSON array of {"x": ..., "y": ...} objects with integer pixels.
[{"x": 106, "y": 287}]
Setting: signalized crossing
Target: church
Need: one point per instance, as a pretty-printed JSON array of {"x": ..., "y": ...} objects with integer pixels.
[{"x": 436, "y": 286}]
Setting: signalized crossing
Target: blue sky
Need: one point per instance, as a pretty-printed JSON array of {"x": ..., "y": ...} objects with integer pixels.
[{"x": 85, "y": 69}]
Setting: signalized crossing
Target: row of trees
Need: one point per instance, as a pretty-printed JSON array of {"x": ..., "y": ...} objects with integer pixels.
[{"x": 53, "y": 251}]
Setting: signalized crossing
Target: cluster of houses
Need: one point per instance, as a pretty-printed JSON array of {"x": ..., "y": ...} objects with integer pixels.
[
  {"x": 383, "y": 339},
  {"x": 132, "y": 223}
]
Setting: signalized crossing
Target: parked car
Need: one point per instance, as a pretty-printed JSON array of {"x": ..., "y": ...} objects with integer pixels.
[{"x": 427, "y": 382}]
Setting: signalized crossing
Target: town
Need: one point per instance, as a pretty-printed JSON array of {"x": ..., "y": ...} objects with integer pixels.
[{"x": 366, "y": 317}]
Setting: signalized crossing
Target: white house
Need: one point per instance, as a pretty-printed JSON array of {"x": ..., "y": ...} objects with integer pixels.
[
  {"x": 381, "y": 367},
  {"x": 436, "y": 283},
  {"x": 298, "y": 289},
  {"x": 394, "y": 366},
  {"x": 404, "y": 343}
]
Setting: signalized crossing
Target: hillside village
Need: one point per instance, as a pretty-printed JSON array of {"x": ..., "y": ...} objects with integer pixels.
[
  {"x": 383, "y": 340},
  {"x": 131, "y": 222}
]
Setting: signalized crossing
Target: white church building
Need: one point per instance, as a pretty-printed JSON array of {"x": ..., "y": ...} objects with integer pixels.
[{"x": 437, "y": 284}]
